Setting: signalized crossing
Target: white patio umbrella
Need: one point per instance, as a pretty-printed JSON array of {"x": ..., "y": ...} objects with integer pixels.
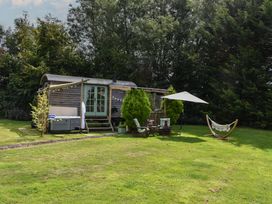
[{"x": 185, "y": 96}]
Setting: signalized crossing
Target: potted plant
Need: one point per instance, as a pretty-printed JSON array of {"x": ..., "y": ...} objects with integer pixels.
[{"x": 122, "y": 128}]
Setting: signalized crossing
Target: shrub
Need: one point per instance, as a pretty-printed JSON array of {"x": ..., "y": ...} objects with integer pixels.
[
  {"x": 173, "y": 107},
  {"x": 136, "y": 104},
  {"x": 40, "y": 112}
]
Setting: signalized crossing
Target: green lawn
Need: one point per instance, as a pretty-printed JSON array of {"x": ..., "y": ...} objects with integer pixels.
[
  {"x": 13, "y": 132},
  {"x": 185, "y": 168}
]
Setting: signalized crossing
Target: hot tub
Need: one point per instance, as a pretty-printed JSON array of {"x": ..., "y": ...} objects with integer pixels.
[{"x": 65, "y": 123}]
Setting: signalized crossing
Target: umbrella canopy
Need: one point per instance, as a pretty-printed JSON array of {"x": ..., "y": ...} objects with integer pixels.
[{"x": 185, "y": 96}]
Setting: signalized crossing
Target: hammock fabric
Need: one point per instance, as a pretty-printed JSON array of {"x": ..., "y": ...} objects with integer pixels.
[{"x": 228, "y": 128}]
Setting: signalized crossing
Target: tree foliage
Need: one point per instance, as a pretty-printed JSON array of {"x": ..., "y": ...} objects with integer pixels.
[
  {"x": 135, "y": 40},
  {"x": 29, "y": 52},
  {"x": 173, "y": 107},
  {"x": 40, "y": 112},
  {"x": 136, "y": 104},
  {"x": 219, "y": 50}
]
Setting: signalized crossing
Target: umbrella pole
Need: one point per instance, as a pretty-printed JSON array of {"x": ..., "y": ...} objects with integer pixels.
[
  {"x": 164, "y": 107},
  {"x": 182, "y": 115}
]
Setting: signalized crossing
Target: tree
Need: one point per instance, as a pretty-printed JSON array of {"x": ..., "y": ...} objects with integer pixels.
[
  {"x": 40, "y": 112},
  {"x": 219, "y": 50},
  {"x": 173, "y": 107},
  {"x": 129, "y": 39},
  {"x": 21, "y": 68},
  {"x": 136, "y": 104},
  {"x": 29, "y": 52},
  {"x": 229, "y": 60},
  {"x": 56, "y": 49}
]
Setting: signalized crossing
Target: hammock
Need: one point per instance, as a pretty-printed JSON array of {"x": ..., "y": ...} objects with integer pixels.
[{"x": 228, "y": 128}]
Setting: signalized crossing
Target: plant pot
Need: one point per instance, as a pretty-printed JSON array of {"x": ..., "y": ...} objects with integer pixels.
[{"x": 122, "y": 130}]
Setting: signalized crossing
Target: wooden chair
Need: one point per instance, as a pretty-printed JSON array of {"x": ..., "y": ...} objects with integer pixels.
[
  {"x": 228, "y": 128},
  {"x": 141, "y": 129}
]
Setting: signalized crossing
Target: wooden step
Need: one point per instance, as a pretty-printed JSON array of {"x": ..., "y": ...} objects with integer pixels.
[
  {"x": 99, "y": 128},
  {"x": 98, "y": 119},
  {"x": 98, "y": 123}
]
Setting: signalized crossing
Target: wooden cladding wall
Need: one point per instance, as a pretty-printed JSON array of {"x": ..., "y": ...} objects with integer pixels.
[
  {"x": 117, "y": 100},
  {"x": 66, "y": 97},
  {"x": 156, "y": 101},
  {"x": 118, "y": 97}
]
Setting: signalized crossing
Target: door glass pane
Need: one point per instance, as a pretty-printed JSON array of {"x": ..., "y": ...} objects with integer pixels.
[
  {"x": 101, "y": 99},
  {"x": 90, "y": 100}
]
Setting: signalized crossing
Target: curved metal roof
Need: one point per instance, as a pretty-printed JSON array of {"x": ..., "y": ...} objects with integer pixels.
[{"x": 67, "y": 79}]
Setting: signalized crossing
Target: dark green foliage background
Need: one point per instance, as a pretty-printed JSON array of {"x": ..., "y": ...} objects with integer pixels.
[
  {"x": 136, "y": 104},
  {"x": 220, "y": 51},
  {"x": 174, "y": 108}
]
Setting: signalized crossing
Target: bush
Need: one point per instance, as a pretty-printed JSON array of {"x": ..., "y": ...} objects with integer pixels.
[
  {"x": 136, "y": 104},
  {"x": 40, "y": 112},
  {"x": 173, "y": 107}
]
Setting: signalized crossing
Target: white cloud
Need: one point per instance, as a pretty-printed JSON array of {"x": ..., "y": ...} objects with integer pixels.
[
  {"x": 60, "y": 4},
  {"x": 26, "y": 2},
  {"x": 57, "y": 4}
]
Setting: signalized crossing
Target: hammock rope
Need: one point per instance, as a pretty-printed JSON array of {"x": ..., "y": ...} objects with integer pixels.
[{"x": 228, "y": 128}]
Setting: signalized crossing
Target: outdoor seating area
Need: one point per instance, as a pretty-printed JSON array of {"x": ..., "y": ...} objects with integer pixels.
[{"x": 153, "y": 129}]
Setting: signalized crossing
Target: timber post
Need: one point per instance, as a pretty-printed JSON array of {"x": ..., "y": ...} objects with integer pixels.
[
  {"x": 81, "y": 100},
  {"x": 47, "y": 90},
  {"x": 164, "y": 108},
  {"x": 110, "y": 101}
]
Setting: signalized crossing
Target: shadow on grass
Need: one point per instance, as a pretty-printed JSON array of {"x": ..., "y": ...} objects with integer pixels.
[
  {"x": 173, "y": 138},
  {"x": 256, "y": 138},
  {"x": 25, "y": 132},
  {"x": 181, "y": 139},
  {"x": 13, "y": 126},
  {"x": 261, "y": 139},
  {"x": 130, "y": 136}
]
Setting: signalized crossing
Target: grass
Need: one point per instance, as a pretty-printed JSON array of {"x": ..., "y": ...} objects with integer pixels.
[
  {"x": 13, "y": 132},
  {"x": 185, "y": 168}
]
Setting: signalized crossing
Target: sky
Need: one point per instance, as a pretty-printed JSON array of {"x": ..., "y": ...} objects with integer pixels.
[{"x": 11, "y": 9}]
